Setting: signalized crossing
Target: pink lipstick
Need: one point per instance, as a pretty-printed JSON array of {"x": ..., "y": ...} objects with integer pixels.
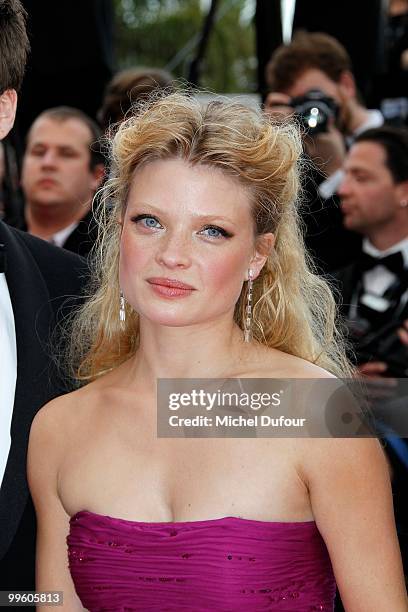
[{"x": 167, "y": 287}]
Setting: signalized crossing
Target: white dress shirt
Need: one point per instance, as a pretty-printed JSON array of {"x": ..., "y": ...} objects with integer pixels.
[
  {"x": 59, "y": 238},
  {"x": 8, "y": 372},
  {"x": 379, "y": 279}
]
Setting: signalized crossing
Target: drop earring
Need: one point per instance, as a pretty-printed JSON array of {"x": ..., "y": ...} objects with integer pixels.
[
  {"x": 248, "y": 309},
  {"x": 122, "y": 311}
]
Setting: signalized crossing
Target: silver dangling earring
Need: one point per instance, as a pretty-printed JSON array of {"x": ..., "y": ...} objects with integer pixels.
[
  {"x": 248, "y": 309},
  {"x": 122, "y": 311}
]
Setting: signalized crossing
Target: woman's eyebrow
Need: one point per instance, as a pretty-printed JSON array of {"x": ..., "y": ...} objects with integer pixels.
[{"x": 204, "y": 217}]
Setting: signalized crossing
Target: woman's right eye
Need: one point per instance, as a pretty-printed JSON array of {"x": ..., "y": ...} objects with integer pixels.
[{"x": 147, "y": 221}]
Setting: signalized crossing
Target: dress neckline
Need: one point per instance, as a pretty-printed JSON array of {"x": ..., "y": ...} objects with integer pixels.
[{"x": 197, "y": 523}]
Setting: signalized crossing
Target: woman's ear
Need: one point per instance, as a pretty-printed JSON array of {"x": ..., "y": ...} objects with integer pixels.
[{"x": 263, "y": 248}]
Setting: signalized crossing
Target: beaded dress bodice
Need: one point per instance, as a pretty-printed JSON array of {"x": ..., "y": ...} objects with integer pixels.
[{"x": 227, "y": 564}]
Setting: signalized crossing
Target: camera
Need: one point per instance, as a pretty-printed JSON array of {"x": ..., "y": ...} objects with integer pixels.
[
  {"x": 314, "y": 110},
  {"x": 382, "y": 344}
]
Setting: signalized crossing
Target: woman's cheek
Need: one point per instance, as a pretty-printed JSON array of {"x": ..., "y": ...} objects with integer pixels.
[
  {"x": 227, "y": 273},
  {"x": 131, "y": 261}
]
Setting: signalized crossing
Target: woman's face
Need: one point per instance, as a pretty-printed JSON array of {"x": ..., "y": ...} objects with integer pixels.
[{"x": 187, "y": 243}]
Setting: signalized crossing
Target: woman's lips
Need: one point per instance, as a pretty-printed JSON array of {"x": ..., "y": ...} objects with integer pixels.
[{"x": 167, "y": 287}]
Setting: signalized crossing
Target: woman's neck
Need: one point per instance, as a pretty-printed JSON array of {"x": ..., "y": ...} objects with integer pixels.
[{"x": 208, "y": 350}]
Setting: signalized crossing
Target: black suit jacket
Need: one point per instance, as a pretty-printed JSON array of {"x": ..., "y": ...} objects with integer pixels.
[
  {"x": 39, "y": 278},
  {"x": 346, "y": 280},
  {"x": 328, "y": 241},
  {"x": 82, "y": 239}
]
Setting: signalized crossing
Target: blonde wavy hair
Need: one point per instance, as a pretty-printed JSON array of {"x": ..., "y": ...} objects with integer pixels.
[{"x": 294, "y": 310}]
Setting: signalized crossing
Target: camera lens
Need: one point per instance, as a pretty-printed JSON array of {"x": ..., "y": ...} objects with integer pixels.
[
  {"x": 314, "y": 118},
  {"x": 314, "y": 111}
]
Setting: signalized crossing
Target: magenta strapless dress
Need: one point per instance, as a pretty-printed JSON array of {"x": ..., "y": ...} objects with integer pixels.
[{"x": 227, "y": 564}]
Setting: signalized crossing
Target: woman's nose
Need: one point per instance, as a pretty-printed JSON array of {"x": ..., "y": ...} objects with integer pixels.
[{"x": 175, "y": 251}]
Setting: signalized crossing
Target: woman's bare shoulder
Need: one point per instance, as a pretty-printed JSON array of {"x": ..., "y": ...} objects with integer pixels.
[
  {"x": 78, "y": 408},
  {"x": 56, "y": 415},
  {"x": 272, "y": 363}
]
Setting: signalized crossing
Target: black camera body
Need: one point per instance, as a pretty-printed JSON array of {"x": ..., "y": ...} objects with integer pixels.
[
  {"x": 314, "y": 111},
  {"x": 382, "y": 344}
]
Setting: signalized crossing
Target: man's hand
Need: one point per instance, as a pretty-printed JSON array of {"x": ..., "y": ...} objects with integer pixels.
[
  {"x": 378, "y": 387},
  {"x": 278, "y": 105},
  {"x": 403, "y": 333},
  {"x": 373, "y": 369}
]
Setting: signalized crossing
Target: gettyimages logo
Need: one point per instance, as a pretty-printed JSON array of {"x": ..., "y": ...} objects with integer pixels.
[{"x": 200, "y": 398}]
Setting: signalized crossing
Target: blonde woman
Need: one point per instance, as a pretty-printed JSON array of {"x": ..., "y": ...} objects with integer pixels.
[{"x": 204, "y": 206}]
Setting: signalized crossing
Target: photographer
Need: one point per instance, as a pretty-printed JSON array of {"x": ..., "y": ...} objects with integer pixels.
[{"x": 312, "y": 78}]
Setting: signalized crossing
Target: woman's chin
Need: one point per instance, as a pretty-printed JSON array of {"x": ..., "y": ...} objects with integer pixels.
[{"x": 168, "y": 319}]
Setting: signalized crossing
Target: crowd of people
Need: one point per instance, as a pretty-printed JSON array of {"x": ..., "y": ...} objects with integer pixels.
[{"x": 171, "y": 238}]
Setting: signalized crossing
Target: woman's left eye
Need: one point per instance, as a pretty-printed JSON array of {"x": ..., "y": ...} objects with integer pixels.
[{"x": 212, "y": 231}]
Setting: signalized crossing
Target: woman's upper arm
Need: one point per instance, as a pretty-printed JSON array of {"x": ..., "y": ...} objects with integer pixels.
[
  {"x": 45, "y": 448},
  {"x": 350, "y": 492}
]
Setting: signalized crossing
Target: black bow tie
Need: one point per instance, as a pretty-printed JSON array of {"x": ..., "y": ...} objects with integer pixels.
[{"x": 394, "y": 262}]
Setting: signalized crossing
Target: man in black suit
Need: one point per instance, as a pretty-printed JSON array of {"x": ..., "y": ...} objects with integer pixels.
[
  {"x": 35, "y": 279},
  {"x": 62, "y": 169},
  {"x": 374, "y": 203},
  {"x": 374, "y": 289}
]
